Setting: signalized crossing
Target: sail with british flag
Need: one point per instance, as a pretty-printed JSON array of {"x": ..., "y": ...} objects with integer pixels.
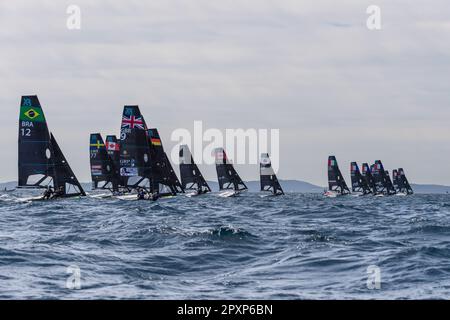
[{"x": 134, "y": 160}]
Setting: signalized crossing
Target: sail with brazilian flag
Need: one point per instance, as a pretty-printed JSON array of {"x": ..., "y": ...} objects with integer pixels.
[{"x": 41, "y": 162}]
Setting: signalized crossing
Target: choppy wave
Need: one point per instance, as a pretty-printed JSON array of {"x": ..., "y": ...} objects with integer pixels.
[{"x": 298, "y": 246}]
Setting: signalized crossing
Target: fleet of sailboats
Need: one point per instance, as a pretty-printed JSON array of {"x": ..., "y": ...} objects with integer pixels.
[
  {"x": 136, "y": 166},
  {"x": 373, "y": 180}
]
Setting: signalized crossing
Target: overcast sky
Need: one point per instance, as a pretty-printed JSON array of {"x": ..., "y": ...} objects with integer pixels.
[{"x": 309, "y": 68}]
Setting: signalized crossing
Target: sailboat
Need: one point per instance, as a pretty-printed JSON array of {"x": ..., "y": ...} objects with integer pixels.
[
  {"x": 404, "y": 186},
  {"x": 269, "y": 181},
  {"x": 164, "y": 179},
  {"x": 382, "y": 180},
  {"x": 191, "y": 178},
  {"x": 359, "y": 183},
  {"x": 134, "y": 159},
  {"x": 367, "y": 175},
  {"x": 336, "y": 182},
  {"x": 41, "y": 161},
  {"x": 229, "y": 181},
  {"x": 103, "y": 170}
]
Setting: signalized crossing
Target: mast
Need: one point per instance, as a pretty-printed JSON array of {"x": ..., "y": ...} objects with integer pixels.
[
  {"x": 41, "y": 162},
  {"x": 191, "y": 177},
  {"x": 359, "y": 183},
  {"x": 226, "y": 174},
  {"x": 103, "y": 170},
  {"x": 336, "y": 181},
  {"x": 162, "y": 171},
  {"x": 134, "y": 159},
  {"x": 269, "y": 181}
]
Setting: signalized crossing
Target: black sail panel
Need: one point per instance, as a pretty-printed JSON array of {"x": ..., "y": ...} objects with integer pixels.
[
  {"x": 35, "y": 165},
  {"x": 406, "y": 187},
  {"x": 103, "y": 171},
  {"x": 64, "y": 179},
  {"x": 396, "y": 181},
  {"x": 227, "y": 176},
  {"x": 268, "y": 178},
  {"x": 113, "y": 149},
  {"x": 367, "y": 174},
  {"x": 336, "y": 181},
  {"x": 134, "y": 149},
  {"x": 382, "y": 180},
  {"x": 163, "y": 174},
  {"x": 389, "y": 183},
  {"x": 191, "y": 177},
  {"x": 359, "y": 183}
]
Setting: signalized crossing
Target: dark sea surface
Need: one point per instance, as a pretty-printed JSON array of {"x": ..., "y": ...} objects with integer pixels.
[{"x": 300, "y": 246}]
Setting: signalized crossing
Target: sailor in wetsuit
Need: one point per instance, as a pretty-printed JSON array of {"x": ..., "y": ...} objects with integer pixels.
[
  {"x": 58, "y": 193},
  {"x": 141, "y": 194},
  {"x": 154, "y": 196},
  {"x": 47, "y": 193}
]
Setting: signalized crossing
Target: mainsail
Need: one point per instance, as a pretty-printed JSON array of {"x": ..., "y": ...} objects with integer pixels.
[
  {"x": 382, "y": 180},
  {"x": 134, "y": 158},
  {"x": 359, "y": 183},
  {"x": 367, "y": 174},
  {"x": 41, "y": 161},
  {"x": 395, "y": 180},
  {"x": 191, "y": 177},
  {"x": 336, "y": 181},
  {"x": 164, "y": 178},
  {"x": 226, "y": 174},
  {"x": 269, "y": 181},
  {"x": 113, "y": 148},
  {"x": 405, "y": 186},
  {"x": 389, "y": 182},
  {"x": 103, "y": 171}
]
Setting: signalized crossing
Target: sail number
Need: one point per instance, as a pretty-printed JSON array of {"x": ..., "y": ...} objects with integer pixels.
[{"x": 26, "y": 132}]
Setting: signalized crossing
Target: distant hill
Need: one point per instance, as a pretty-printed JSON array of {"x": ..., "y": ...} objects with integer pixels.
[
  {"x": 430, "y": 188},
  {"x": 288, "y": 186}
]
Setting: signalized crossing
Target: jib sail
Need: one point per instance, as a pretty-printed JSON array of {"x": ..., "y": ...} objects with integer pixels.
[
  {"x": 164, "y": 178},
  {"x": 134, "y": 150},
  {"x": 103, "y": 171},
  {"x": 226, "y": 174},
  {"x": 367, "y": 174},
  {"x": 64, "y": 178},
  {"x": 269, "y": 181},
  {"x": 406, "y": 187},
  {"x": 382, "y": 181},
  {"x": 336, "y": 181},
  {"x": 191, "y": 177},
  {"x": 359, "y": 183},
  {"x": 41, "y": 162}
]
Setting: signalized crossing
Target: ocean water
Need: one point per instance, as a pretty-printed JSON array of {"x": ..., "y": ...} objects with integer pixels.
[{"x": 300, "y": 246}]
